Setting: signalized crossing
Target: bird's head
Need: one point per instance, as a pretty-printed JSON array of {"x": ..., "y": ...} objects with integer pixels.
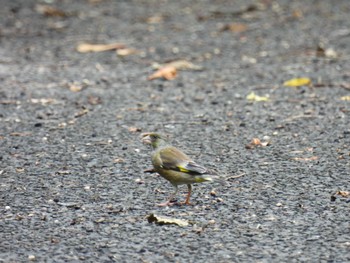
[{"x": 153, "y": 139}]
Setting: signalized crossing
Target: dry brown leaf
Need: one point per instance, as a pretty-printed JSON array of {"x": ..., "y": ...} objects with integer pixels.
[
  {"x": 180, "y": 64},
  {"x": 94, "y": 100},
  {"x": 85, "y": 47},
  {"x": 322, "y": 51},
  {"x": 20, "y": 170},
  {"x": 162, "y": 220},
  {"x": 134, "y": 129},
  {"x": 118, "y": 160},
  {"x": 127, "y": 51},
  {"x": 156, "y": 19},
  {"x": 81, "y": 113},
  {"x": 20, "y": 134},
  {"x": 343, "y": 193},
  {"x": 255, "y": 142},
  {"x": 48, "y": 10},
  {"x": 306, "y": 159},
  {"x": 297, "y": 13},
  {"x": 167, "y": 72},
  {"x": 75, "y": 87},
  {"x": 8, "y": 102},
  {"x": 235, "y": 27}
]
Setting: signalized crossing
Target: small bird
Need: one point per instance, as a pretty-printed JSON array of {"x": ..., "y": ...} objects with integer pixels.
[{"x": 175, "y": 166}]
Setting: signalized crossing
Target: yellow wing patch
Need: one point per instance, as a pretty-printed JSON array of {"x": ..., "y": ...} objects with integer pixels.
[{"x": 184, "y": 170}]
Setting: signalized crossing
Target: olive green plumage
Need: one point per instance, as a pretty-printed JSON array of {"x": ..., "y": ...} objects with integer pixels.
[{"x": 174, "y": 165}]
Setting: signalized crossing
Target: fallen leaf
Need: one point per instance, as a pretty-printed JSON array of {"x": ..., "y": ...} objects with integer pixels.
[
  {"x": 257, "y": 142},
  {"x": 75, "y": 87},
  {"x": 306, "y": 159},
  {"x": 297, "y": 82},
  {"x": 127, "y": 51},
  {"x": 134, "y": 129},
  {"x": 20, "y": 170},
  {"x": 343, "y": 193},
  {"x": 182, "y": 64},
  {"x": 81, "y": 113},
  {"x": 85, "y": 47},
  {"x": 63, "y": 172},
  {"x": 321, "y": 51},
  {"x": 345, "y": 85},
  {"x": 167, "y": 72},
  {"x": 42, "y": 101},
  {"x": 94, "y": 100},
  {"x": 297, "y": 13},
  {"x": 346, "y": 98},
  {"x": 48, "y": 10},
  {"x": 235, "y": 27},
  {"x": 8, "y": 102},
  {"x": 253, "y": 97},
  {"x": 20, "y": 134},
  {"x": 118, "y": 160},
  {"x": 162, "y": 220},
  {"x": 156, "y": 19},
  {"x": 100, "y": 220}
]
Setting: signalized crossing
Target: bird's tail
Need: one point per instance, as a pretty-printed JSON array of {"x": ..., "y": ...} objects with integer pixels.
[
  {"x": 212, "y": 177},
  {"x": 218, "y": 179}
]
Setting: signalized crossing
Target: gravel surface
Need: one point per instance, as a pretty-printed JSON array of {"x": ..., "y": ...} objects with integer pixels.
[{"x": 72, "y": 186}]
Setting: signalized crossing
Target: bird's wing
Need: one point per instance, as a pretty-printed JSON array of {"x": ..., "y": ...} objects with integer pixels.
[{"x": 174, "y": 159}]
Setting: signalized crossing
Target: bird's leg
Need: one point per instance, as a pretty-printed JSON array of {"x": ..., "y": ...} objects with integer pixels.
[
  {"x": 169, "y": 203},
  {"x": 187, "y": 202}
]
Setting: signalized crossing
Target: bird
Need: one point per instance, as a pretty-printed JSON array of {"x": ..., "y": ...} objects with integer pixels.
[{"x": 175, "y": 166}]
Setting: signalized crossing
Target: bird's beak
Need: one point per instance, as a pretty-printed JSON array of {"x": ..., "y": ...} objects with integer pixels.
[{"x": 146, "y": 139}]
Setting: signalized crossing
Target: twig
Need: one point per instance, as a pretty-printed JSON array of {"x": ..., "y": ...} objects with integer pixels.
[{"x": 236, "y": 176}]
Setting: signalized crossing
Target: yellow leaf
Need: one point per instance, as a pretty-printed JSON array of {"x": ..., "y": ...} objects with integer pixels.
[
  {"x": 253, "y": 97},
  {"x": 347, "y": 98},
  {"x": 297, "y": 82}
]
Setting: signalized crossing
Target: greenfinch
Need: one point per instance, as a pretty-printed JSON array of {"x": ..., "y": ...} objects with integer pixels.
[{"x": 175, "y": 166}]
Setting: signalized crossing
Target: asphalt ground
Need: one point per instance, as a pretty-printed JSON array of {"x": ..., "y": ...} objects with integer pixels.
[{"x": 72, "y": 181}]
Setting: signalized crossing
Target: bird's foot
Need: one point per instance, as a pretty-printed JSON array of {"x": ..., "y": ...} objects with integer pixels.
[{"x": 185, "y": 203}]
